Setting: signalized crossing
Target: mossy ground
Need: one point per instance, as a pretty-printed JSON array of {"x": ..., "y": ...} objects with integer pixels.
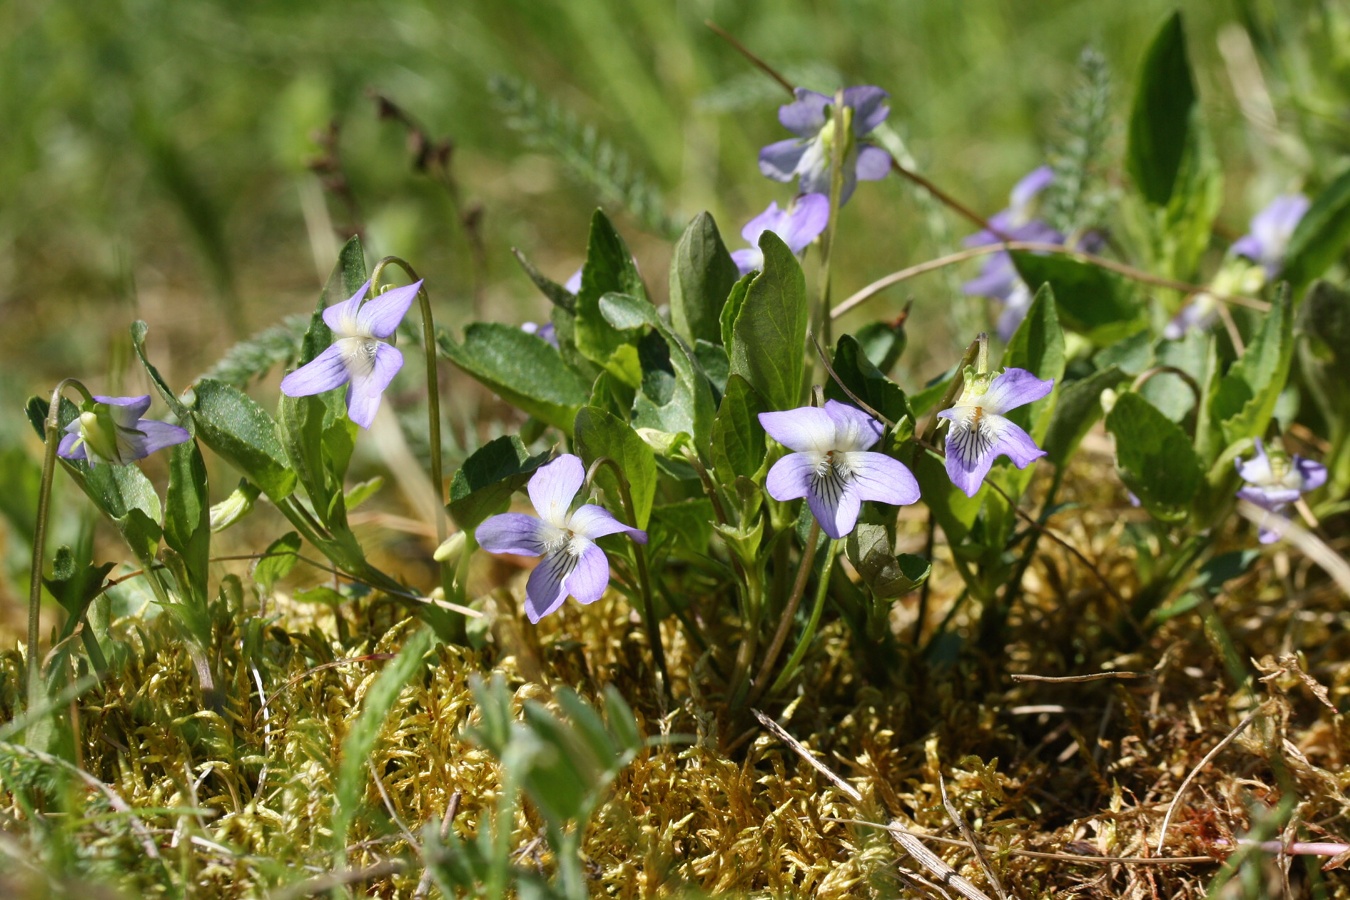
[{"x": 238, "y": 800}]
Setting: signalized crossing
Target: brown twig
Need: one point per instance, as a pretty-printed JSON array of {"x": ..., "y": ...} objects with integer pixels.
[
  {"x": 1171, "y": 807},
  {"x": 1077, "y": 679}
]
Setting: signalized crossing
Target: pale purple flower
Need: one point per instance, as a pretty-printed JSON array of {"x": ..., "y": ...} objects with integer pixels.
[
  {"x": 798, "y": 225},
  {"x": 830, "y": 465},
  {"x": 357, "y": 356},
  {"x": 111, "y": 430},
  {"x": 573, "y": 284},
  {"x": 572, "y": 562},
  {"x": 814, "y": 121},
  {"x": 979, "y": 433},
  {"x": 998, "y": 278},
  {"x": 1274, "y": 480},
  {"x": 1198, "y": 314},
  {"x": 546, "y": 331},
  {"x": 1271, "y": 230}
]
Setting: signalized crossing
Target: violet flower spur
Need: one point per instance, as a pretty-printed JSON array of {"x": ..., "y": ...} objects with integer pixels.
[
  {"x": 798, "y": 225},
  {"x": 830, "y": 465},
  {"x": 357, "y": 357},
  {"x": 1274, "y": 480},
  {"x": 979, "y": 433},
  {"x": 1271, "y": 229},
  {"x": 816, "y": 124},
  {"x": 573, "y": 563},
  {"x": 111, "y": 430}
]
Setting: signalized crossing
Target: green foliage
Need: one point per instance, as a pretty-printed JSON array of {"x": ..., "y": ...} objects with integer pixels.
[
  {"x": 866, "y": 382},
  {"x": 1038, "y": 347},
  {"x": 738, "y": 444},
  {"x": 524, "y": 370},
  {"x": 1076, "y": 410},
  {"x": 1246, "y": 395},
  {"x": 484, "y": 484},
  {"x": 1075, "y": 200},
  {"x": 1089, "y": 299},
  {"x": 769, "y": 328},
  {"x": 886, "y": 574},
  {"x": 1154, "y": 457},
  {"x": 589, "y": 157},
  {"x": 1161, "y": 116},
  {"x": 1321, "y": 236},
  {"x": 249, "y": 359},
  {"x": 599, "y": 434},
  {"x": 238, "y": 429},
  {"x": 701, "y": 277}
]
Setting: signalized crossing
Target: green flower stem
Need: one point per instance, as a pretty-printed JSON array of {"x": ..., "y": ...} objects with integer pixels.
[
  {"x": 644, "y": 580},
  {"x": 843, "y": 136},
  {"x": 804, "y": 642},
  {"x": 51, "y": 439},
  {"x": 789, "y": 611}
]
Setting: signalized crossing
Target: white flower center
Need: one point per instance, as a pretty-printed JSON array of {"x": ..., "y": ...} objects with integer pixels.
[
  {"x": 971, "y": 436},
  {"x": 358, "y": 354},
  {"x": 831, "y": 476}
]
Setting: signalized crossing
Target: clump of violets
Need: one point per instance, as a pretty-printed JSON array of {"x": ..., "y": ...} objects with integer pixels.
[
  {"x": 798, "y": 225},
  {"x": 1268, "y": 240},
  {"x": 572, "y": 562},
  {"x": 816, "y": 124},
  {"x": 112, "y": 430},
  {"x": 831, "y": 465},
  {"x": 359, "y": 357},
  {"x": 1275, "y": 480},
  {"x": 979, "y": 432},
  {"x": 998, "y": 278}
]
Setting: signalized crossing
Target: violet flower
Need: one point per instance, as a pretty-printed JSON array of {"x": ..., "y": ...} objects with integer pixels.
[
  {"x": 1274, "y": 480},
  {"x": 798, "y": 225},
  {"x": 998, "y": 278},
  {"x": 979, "y": 433},
  {"x": 573, "y": 563},
  {"x": 357, "y": 358},
  {"x": 545, "y": 332},
  {"x": 830, "y": 465},
  {"x": 1271, "y": 229},
  {"x": 814, "y": 121},
  {"x": 111, "y": 430}
]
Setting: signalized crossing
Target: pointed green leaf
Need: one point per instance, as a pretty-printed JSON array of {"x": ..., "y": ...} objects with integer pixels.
[
  {"x": 187, "y": 523},
  {"x": 558, "y": 295},
  {"x": 1088, "y": 298},
  {"x": 138, "y": 332},
  {"x": 1321, "y": 236},
  {"x": 1161, "y": 115},
  {"x": 233, "y": 425},
  {"x": 1079, "y": 406},
  {"x": 1038, "y": 347},
  {"x": 483, "y": 485},
  {"x": 609, "y": 269},
  {"x": 523, "y": 370},
  {"x": 769, "y": 334},
  {"x": 702, "y": 275},
  {"x": 738, "y": 445},
  {"x": 866, "y": 382},
  {"x": 1247, "y": 393},
  {"x": 277, "y": 561},
  {"x": 597, "y": 434}
]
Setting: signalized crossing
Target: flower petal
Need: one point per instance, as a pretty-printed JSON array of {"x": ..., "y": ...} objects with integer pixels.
[
  {"x": 366, "y": 388},
  {"x": 974, "y": 442},
  {"x": 512, "y": 533},
  {"x": 553, "y": 486},
  {"x": 1012, "y": 441},
  {"x": 1313, "y": 474},
  {"x": 879, "y": 478},
  {"x": 869, "y": 107},
  {"x": 159, "y": 435},
  {"x": 808, "y": 218},
  {"x": 790, "y": 477},
  {"x": 325, "y": 372},
  {"x": 341, "y": 317},
  {"x": 71, "y": 447},
  {"x": 1272, "y": 498},
  {"x": 748, "y": 260},
  {"x": 545, "y": 591},
  {"x": 853, "y": 429},
  {"x": 590, "y": 575},
  {"x": 592, "y": 521},
  {"x": 806, "y": 115},
  {"x": 1014, "y": 388},
  {"x": 1025, "y": 191},
  {"x": 835, "y": 504},
  {"x": 804, "y": 429},
  {"x": 772, "y": 219},
  {"x": 381, "y": 315},
  {"x": 874, "y": 163},
  {"x": 780, "y": 160},
  {"x": 126, "y": 410}
]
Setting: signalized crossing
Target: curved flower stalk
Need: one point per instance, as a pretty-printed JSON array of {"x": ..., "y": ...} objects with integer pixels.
[
  {"x": 798, "y": 225},
  {"x": 979, "y": 433},
  {"x": 358, "y": 356},
  {"x": 572, "y": 562},
  {"x": 816, "y": 123},
  {"x": 1274, "y": 480},
  {"x": 831, "y": 466},
  {"x": 1268, "y": 240},
  {"x": 112, "y": 430}
]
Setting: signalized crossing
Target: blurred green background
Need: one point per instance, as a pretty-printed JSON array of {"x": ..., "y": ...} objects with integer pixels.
[{"x": 157, "y": 158}]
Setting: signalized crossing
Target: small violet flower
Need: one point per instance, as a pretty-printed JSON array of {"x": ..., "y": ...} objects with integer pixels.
[
  {"x": 1274, "y": 480},
  {"x": 357, "y": 357},
  {"x": 830, "y": 465},
  {"x": 573, "y": 563},
  {"x": 798, "y": 225},
  {"x": 979, "y": 433},
  {"x": 1271, "y": 229},
  {"x": 816, "y": 124},
  {"x": 998, "y": 278},
  {"x": 111, "y": 430},
  {"x": 546, "y": 331}
]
